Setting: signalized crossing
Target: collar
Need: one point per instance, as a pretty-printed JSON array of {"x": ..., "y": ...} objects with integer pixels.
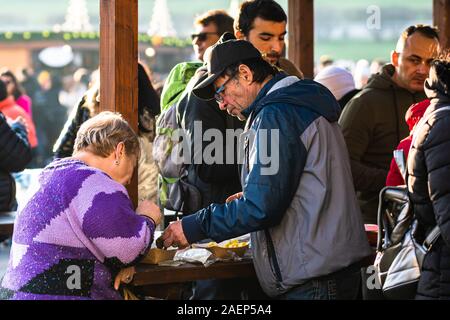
[{"x": 262, "y": 93}]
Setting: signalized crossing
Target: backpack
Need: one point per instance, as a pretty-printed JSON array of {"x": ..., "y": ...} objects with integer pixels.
[
  {"x": 176, "y": 83},
  {"x": 173, "y": 188},
  {"x": 399, "y": 252}
]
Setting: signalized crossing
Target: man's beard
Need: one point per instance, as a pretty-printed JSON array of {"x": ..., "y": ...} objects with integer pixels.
[{"x": 271, "y": 57}]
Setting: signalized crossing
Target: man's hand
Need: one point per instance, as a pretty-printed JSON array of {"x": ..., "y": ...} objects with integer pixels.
[
  {"x": 125, "y": 276},
  {"x": 174, "y": 236},
  {"x": 149, "y": 209},
  {"x": 234, "y": 197}
]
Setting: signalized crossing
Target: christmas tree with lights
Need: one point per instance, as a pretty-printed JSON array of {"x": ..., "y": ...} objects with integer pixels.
[
  {"x": 77, "y": 17},
  {"x": 161, "y": 22}
]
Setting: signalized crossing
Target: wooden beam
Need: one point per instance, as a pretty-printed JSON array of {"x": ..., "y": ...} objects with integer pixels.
[
  {"x": 441, "y": 19},
  {"x": 301, "y": 35},
  {"x": 118, "y": 64}
]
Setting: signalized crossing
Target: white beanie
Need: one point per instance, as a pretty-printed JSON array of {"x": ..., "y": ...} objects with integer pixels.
[{"x": 339, "y": 81}]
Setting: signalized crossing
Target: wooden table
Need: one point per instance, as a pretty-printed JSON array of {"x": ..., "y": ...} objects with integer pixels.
[
  {"x": 7, "y": 223},
  {"x": 167, "y": 282}
]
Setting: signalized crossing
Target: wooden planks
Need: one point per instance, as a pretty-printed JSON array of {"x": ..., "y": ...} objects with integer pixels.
[
  {"x": 441, "y": 19},
  {"x": 301, "y": 35},
  {"x": 118, "y": 64}
]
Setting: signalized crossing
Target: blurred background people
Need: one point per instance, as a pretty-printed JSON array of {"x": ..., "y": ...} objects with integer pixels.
[
  {"x": 361, "y": 73},
  {"x": 49, "y": 116},
  {"x": 12, "y": 111},
  {"x": 148, "y": 109},
  {"x": 15, "y": 89},
  {"x": 74, "y": 87},
  {"x": 339, "y": 81}
]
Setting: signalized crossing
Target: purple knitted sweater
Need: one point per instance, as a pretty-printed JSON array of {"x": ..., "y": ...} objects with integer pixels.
[{"x": 73, "y": 236}]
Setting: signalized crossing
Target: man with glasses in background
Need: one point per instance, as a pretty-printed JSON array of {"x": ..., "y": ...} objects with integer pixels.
[{"x": 208, "y": 29}]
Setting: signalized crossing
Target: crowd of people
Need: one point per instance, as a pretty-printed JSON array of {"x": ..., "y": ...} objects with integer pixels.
[{"x": 315, "y": 155}]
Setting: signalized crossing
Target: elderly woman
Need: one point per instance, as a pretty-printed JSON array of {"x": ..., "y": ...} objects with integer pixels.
[{"x": 79, "y": 229}]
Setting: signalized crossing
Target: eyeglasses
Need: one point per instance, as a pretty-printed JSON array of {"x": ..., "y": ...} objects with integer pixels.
[
  {"x": 221, "y": 90},
  {"x": 202, "y": 36}
]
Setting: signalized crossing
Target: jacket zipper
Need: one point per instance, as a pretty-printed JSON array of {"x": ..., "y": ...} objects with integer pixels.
[
  {"x": 273, "y": 258},
  {"x": 270, "y": 248}
]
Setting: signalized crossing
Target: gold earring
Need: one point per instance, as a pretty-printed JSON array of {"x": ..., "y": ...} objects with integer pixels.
[{"x": 117, "y": 162}]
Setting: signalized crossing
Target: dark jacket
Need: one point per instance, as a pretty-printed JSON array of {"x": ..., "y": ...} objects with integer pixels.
[
  {"x": 215, "y": 181},
  {"x": 300, "y": 207},
  {"x": 373, "y": 125},
  {"x": 347, "y": 97},
  {"x": 429, "y": 187},
  {"x": 64, "y": 145},
  {"x": 15, "y": 153}
]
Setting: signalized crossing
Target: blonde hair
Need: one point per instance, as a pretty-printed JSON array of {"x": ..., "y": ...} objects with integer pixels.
[{"x": 103, "y": 132}]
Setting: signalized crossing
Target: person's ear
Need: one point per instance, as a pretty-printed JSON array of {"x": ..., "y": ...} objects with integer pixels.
[
  {"x": 239, "y": 35},
  {"x": 394, "y": 58},
  {"x": 119, "y": 152},
  {"x": 246, "y": 74}
]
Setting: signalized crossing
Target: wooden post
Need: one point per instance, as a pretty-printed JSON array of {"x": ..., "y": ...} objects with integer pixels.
[
  {"x": 118, "y": 64},
  {"x": 441, "y": 19},
  {"x": 301, "y": 35}
]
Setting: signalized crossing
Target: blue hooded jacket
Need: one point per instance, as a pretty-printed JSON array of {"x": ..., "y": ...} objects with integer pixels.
[{"x": 292, "y": 197}]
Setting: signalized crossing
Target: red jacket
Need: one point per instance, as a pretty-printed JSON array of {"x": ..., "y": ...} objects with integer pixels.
[
  {"x": 412, "y": 117},
  {"x": 394, "y": 177},
  {"x": 11, "y": 111}
]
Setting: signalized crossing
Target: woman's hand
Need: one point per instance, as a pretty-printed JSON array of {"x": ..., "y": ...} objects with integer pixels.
[
  {"x": 149, "y": 209},
  {"x": 125, "y": 276}
]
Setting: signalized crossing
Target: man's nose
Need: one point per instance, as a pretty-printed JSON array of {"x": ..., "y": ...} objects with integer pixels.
[
  {"x": 423, "y": 68},
  {"x": 277, "y": 46},
  {"x": 222, "y": 105},
  {"x": 196, "y": 41}
]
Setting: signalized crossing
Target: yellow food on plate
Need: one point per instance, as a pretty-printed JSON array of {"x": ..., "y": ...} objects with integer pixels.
[
  {"x": 234, "y": 243},
  {"x": 211, "y": 244}
]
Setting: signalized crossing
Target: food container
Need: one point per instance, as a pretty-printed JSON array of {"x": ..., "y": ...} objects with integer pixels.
[
  {"x": 228, "y": 253},
  {"x": 155, "y": 256},
  {"x": 223, "y": 250}
]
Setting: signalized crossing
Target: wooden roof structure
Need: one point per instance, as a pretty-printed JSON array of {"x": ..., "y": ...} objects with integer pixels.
[{"x": 119, "y": 52}]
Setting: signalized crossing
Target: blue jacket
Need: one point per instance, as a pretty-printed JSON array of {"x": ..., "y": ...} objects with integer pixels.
[{"x": 301, "y": 208}]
